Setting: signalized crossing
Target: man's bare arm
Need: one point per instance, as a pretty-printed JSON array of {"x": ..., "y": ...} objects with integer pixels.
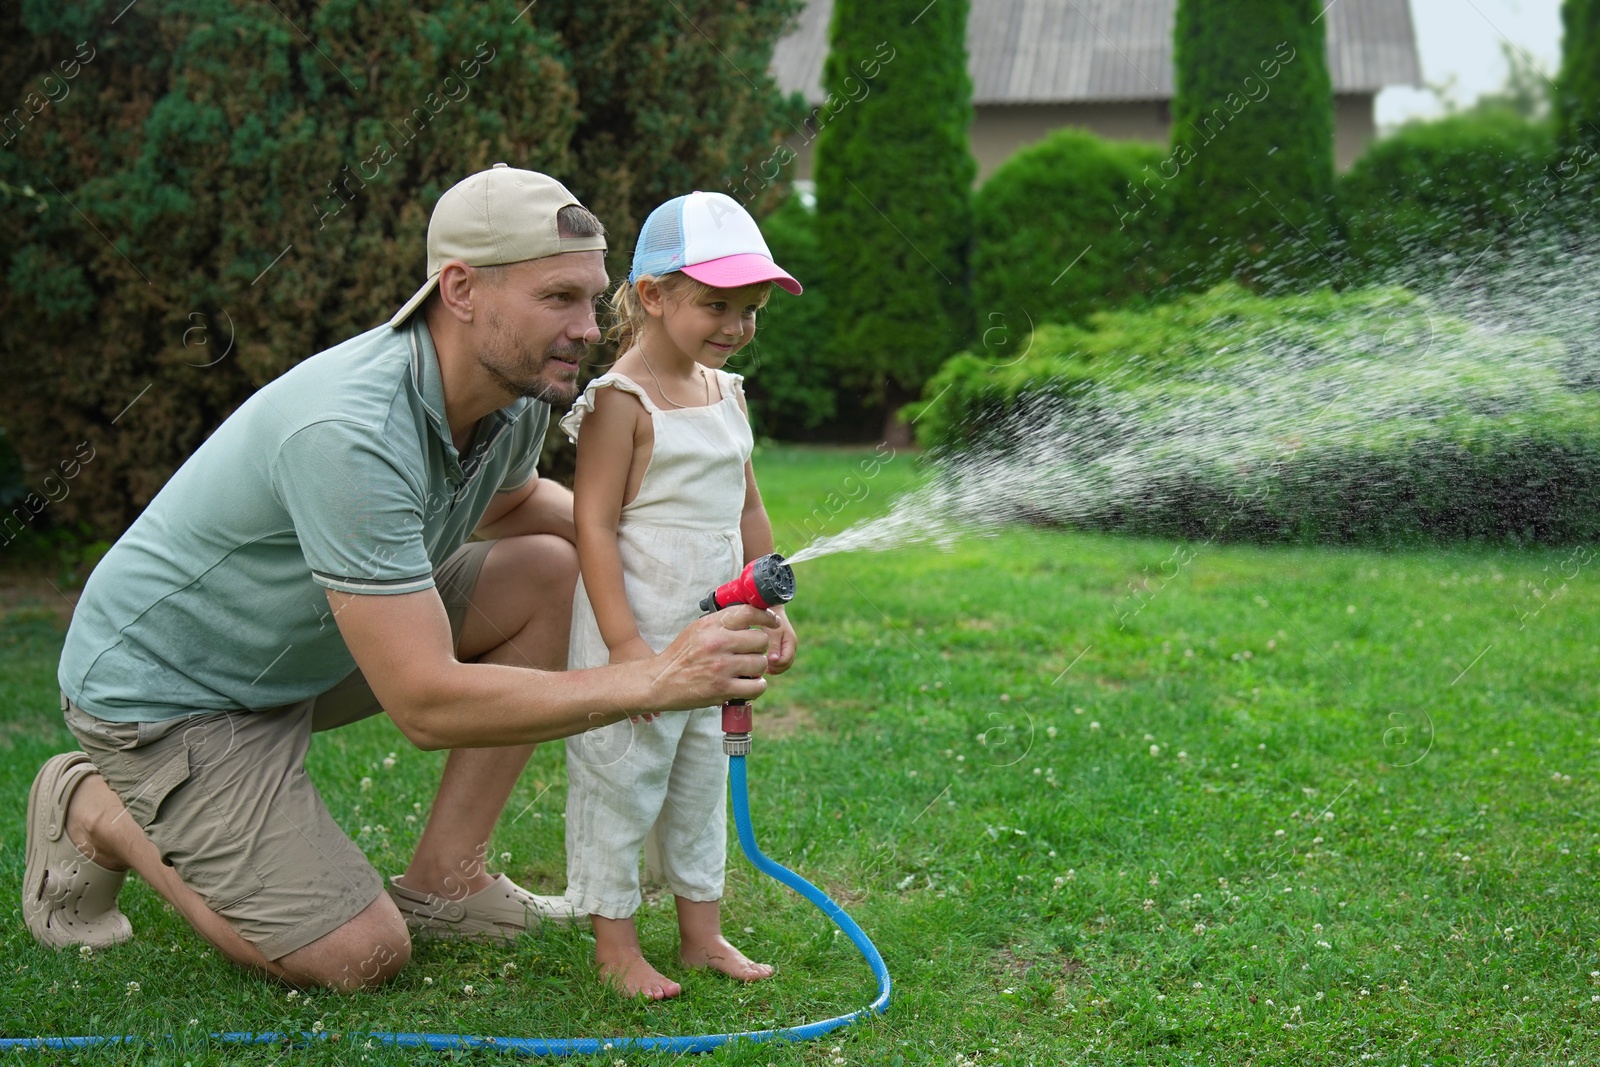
[
  {"x": 540, "y": 507},
  {"x": 402, "y": 644}
]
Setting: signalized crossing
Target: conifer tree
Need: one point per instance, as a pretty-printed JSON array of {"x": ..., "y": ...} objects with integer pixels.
[
  {"x": 1252, "y": 136},
  {"x": 894, "y": 178}
]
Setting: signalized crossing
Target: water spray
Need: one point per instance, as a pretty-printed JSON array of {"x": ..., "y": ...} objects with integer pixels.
[{"x": 764, "y": 583}]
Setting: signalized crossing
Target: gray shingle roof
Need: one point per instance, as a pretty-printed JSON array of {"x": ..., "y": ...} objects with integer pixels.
[{"x": 1072, "y": 51}]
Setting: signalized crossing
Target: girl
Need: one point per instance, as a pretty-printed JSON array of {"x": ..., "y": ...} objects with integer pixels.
[{"x": 667, "y": 508}]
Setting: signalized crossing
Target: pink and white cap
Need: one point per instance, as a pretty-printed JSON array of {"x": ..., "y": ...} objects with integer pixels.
[{"x": 710, "y": 238}]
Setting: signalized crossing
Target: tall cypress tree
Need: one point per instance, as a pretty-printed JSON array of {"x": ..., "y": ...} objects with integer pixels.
[
  {"x": 1578, "y": 85},
  {"x": 894, "y": 180},
  {"x": 1252, "y": 140}
]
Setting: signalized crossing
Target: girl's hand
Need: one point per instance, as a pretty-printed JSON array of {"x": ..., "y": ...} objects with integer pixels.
[{"x": 781, "y": 653}]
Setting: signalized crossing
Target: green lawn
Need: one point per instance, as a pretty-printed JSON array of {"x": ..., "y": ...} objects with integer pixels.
[{"x": 1302, "y": 807}]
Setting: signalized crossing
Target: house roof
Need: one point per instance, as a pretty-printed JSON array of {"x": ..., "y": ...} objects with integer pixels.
[{"x": 1078, "y": 51}]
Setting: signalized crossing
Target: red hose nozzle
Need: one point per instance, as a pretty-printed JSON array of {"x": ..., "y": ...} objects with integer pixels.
[{"x": 763, "y": 583}]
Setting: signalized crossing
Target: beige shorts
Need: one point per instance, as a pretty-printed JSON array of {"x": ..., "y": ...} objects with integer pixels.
[{"x": 225, "y": 798}]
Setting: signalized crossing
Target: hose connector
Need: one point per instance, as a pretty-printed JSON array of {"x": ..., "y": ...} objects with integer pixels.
[{"x": 736, "y": 725}]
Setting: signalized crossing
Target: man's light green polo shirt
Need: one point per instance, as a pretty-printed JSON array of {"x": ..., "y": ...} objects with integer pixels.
[{"x": 340, "y": 475}]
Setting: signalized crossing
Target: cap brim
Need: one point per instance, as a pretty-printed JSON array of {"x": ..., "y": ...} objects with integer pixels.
[
  {"x": 749, "y": 268},
  {"x": 415, "y": 302}
]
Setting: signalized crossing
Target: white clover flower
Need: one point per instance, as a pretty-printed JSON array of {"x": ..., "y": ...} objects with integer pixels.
[
  {"x": 1155, "y": 750},
  {"x": 133, "y": 987},
  {"x": 366, "y": 783},
  {"x": 1094, "y": 726}
]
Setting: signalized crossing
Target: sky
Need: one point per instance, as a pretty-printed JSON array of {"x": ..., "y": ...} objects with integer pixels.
[{"x": 1462, "y": 38}]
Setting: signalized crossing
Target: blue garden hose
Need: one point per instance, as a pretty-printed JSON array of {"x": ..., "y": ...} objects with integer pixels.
[{"x": 580, "y": 1046}]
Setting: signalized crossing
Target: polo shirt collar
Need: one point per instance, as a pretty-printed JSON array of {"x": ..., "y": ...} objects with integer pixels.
[{"x": 426, "y": 378}]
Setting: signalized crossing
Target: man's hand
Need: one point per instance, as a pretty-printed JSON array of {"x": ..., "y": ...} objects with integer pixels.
[
  {"x": 716, "y": 658},
  {"x": 627, "y": 652}
]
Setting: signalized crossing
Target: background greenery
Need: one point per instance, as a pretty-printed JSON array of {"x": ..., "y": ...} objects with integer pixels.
[
  {"x": 1423, "y": 205},
  {"x": 1365, "y": 827},
  {"x": 1057, "y": 235},
  {"x": 193, "y": 247}
]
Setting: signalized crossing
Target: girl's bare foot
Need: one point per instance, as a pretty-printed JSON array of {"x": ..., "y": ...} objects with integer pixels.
[
  {"x": 622, "y": 964},
  {"x": 722, "y": 956},
  {"x": 636, "y": 978}
]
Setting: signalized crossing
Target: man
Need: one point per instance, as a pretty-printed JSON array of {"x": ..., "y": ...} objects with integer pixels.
[{"x": 309, "y": 566}]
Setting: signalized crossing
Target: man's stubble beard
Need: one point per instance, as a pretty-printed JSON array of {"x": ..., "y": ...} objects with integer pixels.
[{"x": 520, "y": 374}]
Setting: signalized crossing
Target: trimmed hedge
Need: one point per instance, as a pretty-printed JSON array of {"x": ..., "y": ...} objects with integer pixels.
[
  {"x": 1423, "y": 204},
  {"x": 1067, "y": 202},
  {"x": 1363, "y": 417}
]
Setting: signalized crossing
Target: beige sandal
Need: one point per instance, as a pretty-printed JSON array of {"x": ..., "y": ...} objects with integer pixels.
[
  {"x": 67, "y": 898},
  {"x": 501, "y": 912}
]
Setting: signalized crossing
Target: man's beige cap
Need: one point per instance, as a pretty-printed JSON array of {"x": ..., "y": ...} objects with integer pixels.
[{"x": 499, "y": 215}]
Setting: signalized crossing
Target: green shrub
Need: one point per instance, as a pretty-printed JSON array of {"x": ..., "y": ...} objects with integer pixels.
[
  {"x": 1422, "y": 205},
  {"x": 1252, "y": 140},
  {"x": 894, "y": 183},
  {"x": 1366, "y": 416},
  {"x": 1058, "y": 233}
]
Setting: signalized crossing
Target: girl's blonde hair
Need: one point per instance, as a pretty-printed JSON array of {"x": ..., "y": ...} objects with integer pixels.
[{"x": 628, "y": 315}]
